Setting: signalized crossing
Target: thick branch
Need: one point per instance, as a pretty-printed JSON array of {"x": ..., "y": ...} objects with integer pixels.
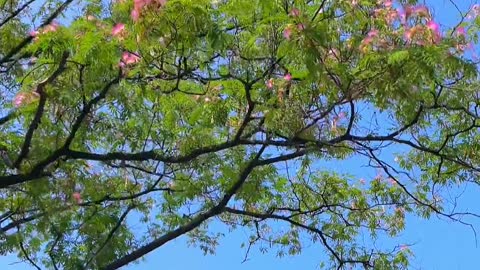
[
  {"x": 76, "y": 126},
  {"x": 40, "y": 109},
  {"x": 199, "y": 219}
]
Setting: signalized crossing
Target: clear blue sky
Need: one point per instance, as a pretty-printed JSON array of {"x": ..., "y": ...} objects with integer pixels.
[{"x": 438, "y": 244}]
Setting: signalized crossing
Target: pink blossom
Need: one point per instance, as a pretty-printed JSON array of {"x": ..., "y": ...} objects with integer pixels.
[
  {"x": 403, "y": 247},
  {"x": 476, "y": 8},
  {"x": 461, "y": 47},
  {"x": 354, "y": 2},
  {"x": 369, "y": 38},
  {"x": 52, "y": 27},
  {"x": 421, "y": 11},
  {"x": 391, "y": 16},
  {"x": 474, "y": 12},
  {"x": 435, "y": 28},
  {"x": 295, "y": 12},
  {"x": 460, "y": 31},
  {"x": 135, "y": 14},
  {"x": 287, "y": 77},
  {"x": 388, "y": 3},
  {"x": 19, "y": 99},
  {"x": 130, "y": 58},
  {"x": 23, "y": 98},
  {"x": 300, "y": 27},
  {"x": 432, "y": 25},
  {"x": 77, "y": 197},
  {"x": 408, "y": 34},
  {"x": 287, "y": 33},
  {"x": 372, "y": 33},
  {"x": 270, "y": 84},
  {"x": 139, "y": 4},
  {"x": 118, "y": 29},
  {"x": 34, "y": 33}
]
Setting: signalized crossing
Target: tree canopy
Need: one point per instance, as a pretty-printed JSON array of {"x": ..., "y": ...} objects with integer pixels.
[{"x": 178, "y": 114}]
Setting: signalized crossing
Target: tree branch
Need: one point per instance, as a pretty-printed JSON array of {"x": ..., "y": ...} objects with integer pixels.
[
  {"x": 40, "y": 109},
  {"x": 16, "y": 12},
  {"x": 109, "y": 236},
  {"x": 199, "y": 219},
  {"x": 7, "y": 57}
]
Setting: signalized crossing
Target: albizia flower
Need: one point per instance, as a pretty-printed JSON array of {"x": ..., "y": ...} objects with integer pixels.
[
  {"x": 118, "y": 29},
  {"x": 138, "y": 5},
  {"x": 130, "y": 58},
  {"x": 24, "y": 98},
  {"x": 52, "y": 27},
  {"x": 287, "y": 32},
  {"x": 270, "y": 84},
  {"x": 460, "y": 31},
  {"x": 295, "y": 12},
  {"x": 435, "y": 28},
  {"x": 77, "y": 197}
]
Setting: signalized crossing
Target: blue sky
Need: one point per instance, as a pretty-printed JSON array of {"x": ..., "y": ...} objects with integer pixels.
[{"x": 438, "y": 244}]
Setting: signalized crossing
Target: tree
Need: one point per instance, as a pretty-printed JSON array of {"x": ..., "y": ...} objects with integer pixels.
[{"x": 181, "y": 112}]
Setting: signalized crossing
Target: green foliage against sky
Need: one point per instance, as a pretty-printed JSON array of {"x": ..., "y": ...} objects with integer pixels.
[{"x": 178, "y": 113}]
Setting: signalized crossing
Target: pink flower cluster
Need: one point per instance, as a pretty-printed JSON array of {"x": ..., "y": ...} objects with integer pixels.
[
  {"x": 295, "y": 12},
  {"x": 474, "y": 12},
  {"x": 118, "y": 30},
  {"x": 24, "y": 98},
  {"x": 271, "y": 83},
  {"x": 415, "y": 22},
  {"x": 128, "y": 59},
  {"x": 290, "y": 28},
  {"x": 371, "y": 36},
  {"x": 431, "y": 30},
  {"x": 287, "y": 33},
  {"x": 77, "y": 197},
  {"x": 139, "y": 5},
  {"x": 52, "y": 27}
]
